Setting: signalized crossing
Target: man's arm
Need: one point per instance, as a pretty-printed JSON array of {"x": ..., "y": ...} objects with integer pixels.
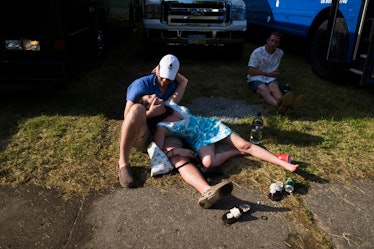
[
  {"x": 254, "y": 72},
  {"x": 181, "y": 88}
]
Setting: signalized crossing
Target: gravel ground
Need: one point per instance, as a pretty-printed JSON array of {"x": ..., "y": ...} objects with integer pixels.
[{"x": 227, "y": 110}]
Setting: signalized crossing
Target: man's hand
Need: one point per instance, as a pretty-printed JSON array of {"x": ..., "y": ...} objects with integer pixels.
[
  {"x": 156, "y": 108},
  {"x": 274, "y": 74},
  {"x": 155, "y": 70}
]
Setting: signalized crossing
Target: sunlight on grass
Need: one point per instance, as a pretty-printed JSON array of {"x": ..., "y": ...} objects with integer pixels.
[{"x": 61, "y": 152}]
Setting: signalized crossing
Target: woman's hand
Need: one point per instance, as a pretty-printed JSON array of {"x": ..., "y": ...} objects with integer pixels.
[{"x": 184, "y": 152}]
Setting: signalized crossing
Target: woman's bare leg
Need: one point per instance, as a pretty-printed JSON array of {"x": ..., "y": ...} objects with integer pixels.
[
  {"x": 259, "y": 152},
  {"x": 210, "y": 158}
]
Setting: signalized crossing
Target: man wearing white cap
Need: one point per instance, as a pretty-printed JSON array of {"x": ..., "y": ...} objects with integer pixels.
[{"x": 167, "y": 84}]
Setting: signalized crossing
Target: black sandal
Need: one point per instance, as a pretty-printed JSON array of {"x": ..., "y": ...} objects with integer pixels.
[{"x": 235, "y": 213}]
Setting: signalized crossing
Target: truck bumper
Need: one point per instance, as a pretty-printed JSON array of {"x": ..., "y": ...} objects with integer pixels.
[{"x": 156, "y": 32}]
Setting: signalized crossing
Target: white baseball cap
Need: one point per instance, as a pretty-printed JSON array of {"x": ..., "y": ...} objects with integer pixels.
[{"x": 169, "y": 66}]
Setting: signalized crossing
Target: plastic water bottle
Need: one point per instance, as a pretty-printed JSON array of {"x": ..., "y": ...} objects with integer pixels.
[
  {"x": 258, "y": 121},
  {"x": 287, "y": 87},
  {"x": 256, "y": 129}
]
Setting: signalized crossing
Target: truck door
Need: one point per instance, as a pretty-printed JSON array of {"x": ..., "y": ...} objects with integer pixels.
[
  {"x": 363, "y": 54},
  {"x": 259, "y": 12}
]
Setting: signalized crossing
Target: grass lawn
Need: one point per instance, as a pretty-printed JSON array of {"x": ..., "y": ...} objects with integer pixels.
[{"x": 67, "y": 138}]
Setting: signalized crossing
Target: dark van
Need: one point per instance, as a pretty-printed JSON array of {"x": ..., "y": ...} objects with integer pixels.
[{"x": 42, "y": 40}]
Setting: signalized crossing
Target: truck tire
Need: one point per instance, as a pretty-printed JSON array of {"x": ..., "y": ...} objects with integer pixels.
[
  {"x": 131, "y": 16},
  {"x": 100, "y": 45},
  {"x": 318, "y": 49},
  {"x": 98, "y": 49}
]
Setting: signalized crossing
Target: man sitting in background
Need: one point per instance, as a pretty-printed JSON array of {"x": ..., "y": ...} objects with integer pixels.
[{"x": 263, "y": 73}]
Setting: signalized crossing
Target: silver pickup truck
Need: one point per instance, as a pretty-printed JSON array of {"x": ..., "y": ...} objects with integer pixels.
[{"x": 196, "y": 22}]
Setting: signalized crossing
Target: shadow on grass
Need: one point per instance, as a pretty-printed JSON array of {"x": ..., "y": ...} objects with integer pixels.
[
  {"x": 309, "y": 176},
  {"x": 294, "y": 137}
]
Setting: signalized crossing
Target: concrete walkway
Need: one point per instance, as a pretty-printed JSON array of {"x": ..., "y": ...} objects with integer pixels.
[{"x": 151, "y": 217}]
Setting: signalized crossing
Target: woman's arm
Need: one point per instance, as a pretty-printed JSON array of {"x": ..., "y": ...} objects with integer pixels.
[{"x": 159, "y": 137}]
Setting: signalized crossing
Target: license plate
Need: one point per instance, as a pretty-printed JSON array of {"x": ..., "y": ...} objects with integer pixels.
[{"x": 196, "y": 39}]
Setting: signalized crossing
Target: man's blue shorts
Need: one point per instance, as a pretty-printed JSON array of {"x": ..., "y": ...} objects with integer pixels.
[{"x": 253, "y": 85}]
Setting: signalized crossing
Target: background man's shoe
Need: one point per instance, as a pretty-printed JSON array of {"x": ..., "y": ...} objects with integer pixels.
[
  {"x": 125, "y": 177},
  {"x": 296, "y": 104},
  {"x": 287, "y": 100}
]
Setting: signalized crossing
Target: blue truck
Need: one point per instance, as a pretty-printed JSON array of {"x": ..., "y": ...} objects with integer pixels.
[{"x": 339, "y": 33}]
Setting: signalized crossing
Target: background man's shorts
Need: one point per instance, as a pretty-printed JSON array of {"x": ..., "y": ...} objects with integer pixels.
[{"x": 253, "y": 85}]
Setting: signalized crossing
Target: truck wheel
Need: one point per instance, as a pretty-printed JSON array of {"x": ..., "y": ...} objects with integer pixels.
[
  {"x": 98, "y": 41},
  {"x": 318, "y": 49},
  {"x": 99, "y": 44},
  {"x": 131, "y": 16}
]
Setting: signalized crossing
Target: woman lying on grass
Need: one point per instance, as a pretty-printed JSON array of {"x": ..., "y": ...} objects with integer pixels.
[{"x": 201, "y": 134}]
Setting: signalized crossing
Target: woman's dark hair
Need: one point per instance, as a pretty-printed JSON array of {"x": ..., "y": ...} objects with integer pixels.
[{"x": 152, "y": 122}]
